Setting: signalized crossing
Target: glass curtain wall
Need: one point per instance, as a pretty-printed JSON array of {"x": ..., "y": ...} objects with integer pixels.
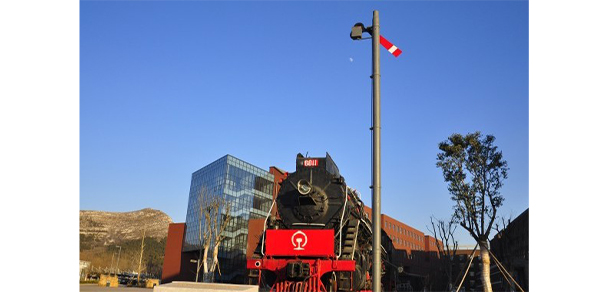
[{"x": 248, "y": 189}]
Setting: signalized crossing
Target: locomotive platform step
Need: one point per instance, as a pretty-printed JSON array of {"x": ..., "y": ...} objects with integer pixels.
[{"x": 344, "y": 282}]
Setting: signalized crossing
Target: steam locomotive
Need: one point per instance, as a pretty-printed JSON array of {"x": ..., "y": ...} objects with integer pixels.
[{"x": 322, "y": 238}]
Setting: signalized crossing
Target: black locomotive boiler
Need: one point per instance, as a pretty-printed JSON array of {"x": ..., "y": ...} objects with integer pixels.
[{"x": 321, "y": 239}]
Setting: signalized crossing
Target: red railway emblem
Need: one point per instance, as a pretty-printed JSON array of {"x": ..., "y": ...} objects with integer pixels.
[
  {"x": 295, "y": 242},
  {"x": 299, "y": 240}
]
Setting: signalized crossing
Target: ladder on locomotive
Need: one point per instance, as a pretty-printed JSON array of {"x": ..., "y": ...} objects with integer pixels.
[{"x": 347, "y": 252}]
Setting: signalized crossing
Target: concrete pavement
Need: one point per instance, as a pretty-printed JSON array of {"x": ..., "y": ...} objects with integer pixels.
[
  {"x": 96, "y": 288},
  {"x": 203, "y": 287}
]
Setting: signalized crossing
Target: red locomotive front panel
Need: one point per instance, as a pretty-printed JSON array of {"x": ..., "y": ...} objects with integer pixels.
[{"x": 296, "y": 242}]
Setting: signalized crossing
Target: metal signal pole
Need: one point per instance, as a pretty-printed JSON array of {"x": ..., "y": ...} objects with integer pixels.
[
  {"x": 376, "y": 156},
  {"x": 356, "y": 35}
]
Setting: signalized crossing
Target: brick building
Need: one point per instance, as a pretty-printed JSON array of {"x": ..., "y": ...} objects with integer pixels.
[
  {"x": 415, "y": 252},
  {"x": 404, "y": 236},
  {"x": 511, "y": 247}
]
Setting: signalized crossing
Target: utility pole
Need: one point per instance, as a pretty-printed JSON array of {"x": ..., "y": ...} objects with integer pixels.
[
  {"x": 118, "y": 260},
  {"x": 198, "y": 265},
  {"x": 376, "y": 157},
  {"x": 112, "y": 263},
  {"x": 141, "y": 253}
]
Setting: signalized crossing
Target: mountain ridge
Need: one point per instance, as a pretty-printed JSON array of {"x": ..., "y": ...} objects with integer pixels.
[{"x": 107, "y": 228}]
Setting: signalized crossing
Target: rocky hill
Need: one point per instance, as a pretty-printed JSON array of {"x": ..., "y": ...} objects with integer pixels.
[
  {"x": 107, "y": 228},
  {"x": 112, "y": 241}
]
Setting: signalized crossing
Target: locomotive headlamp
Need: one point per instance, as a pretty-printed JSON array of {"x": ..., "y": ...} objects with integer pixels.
[{"x": 304, "y": 187}]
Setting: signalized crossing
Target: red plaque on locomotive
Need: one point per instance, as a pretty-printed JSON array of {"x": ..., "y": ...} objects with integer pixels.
[{"x": 291, "y": 242}]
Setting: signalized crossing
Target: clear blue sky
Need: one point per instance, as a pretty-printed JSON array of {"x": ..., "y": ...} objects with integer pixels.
[{"x": 168, "y": 87}]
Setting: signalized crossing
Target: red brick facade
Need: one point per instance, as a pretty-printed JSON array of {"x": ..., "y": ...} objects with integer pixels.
[
  {"x": 404, "y": 236},
  {"x": 278, "y": 176},
  {"x": 172, "y": 262},
  {"x": 255, "y": 231}
]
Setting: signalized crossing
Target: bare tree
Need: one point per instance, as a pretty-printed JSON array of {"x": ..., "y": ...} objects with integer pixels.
[
  {"x": 205, "y": 231},
  {"x": 218, "y": 227},
  {"x": 446, "y": 244},
  {"x": 475, "y": 171},
  {"x": 213, "y": 218}
]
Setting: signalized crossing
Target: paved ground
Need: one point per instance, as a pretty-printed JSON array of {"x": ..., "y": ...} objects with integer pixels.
[
  {"x": 178, "y": 286},
  {"x": 96, "y": 288},
  {"x": 173, "y": 287}
]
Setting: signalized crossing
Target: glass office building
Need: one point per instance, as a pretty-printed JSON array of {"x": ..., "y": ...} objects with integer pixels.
[{"x": 249, "y": 191}]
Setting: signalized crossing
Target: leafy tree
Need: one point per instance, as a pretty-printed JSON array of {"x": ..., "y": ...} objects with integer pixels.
[{"x": 474, "y": 170}]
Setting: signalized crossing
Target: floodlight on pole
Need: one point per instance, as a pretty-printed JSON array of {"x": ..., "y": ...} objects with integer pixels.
[{"x": 357, "y": 31}]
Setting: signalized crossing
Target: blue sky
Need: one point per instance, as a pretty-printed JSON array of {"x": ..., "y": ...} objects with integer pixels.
[{"x": 168, "y": 87}]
